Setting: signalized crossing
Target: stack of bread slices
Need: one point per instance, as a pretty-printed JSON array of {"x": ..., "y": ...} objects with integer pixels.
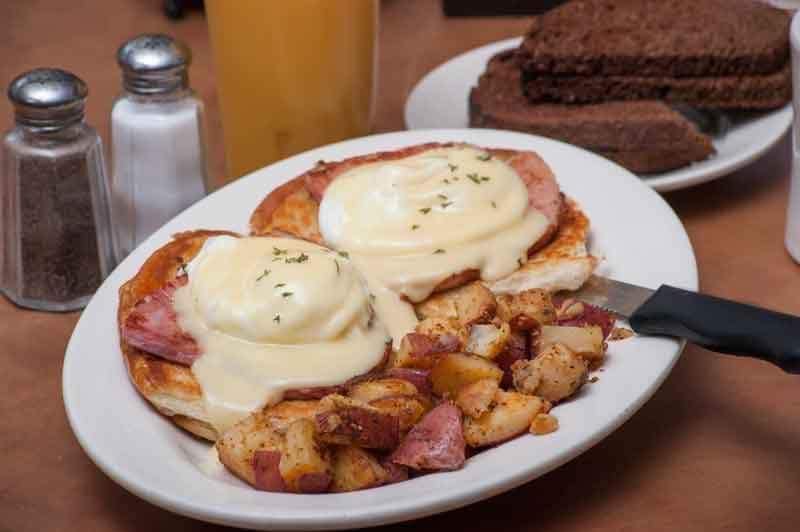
[{"x": 607, "y": 75}]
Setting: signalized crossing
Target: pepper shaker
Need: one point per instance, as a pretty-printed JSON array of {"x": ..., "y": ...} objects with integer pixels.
[
  {"x": 157, "y": 133},
  {"x": 56, "y": 239}
]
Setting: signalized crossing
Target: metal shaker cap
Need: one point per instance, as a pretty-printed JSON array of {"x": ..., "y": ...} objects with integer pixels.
[
  {"x": 48, "y": 98},
  {"x": 153, "y": 64}
]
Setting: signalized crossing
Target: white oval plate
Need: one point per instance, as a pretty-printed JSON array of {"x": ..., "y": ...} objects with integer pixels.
[
  {"x": 633, "y": 228},
  {"x": 439, "y": 100}
]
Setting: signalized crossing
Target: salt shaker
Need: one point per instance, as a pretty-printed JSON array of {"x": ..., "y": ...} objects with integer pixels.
[
  {"x": 158, "y": 141},
  {"x": 56, "y": 241}
]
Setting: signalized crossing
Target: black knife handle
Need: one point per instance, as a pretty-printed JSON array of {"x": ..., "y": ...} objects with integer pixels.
[{"x": 722, "y": 325}]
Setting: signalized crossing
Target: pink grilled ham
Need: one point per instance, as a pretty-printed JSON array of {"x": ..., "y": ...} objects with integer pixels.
[{"x": 152, "y": 326}]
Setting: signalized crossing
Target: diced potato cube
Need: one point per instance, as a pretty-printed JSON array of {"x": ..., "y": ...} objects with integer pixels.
[
  {"x": 436, "y": 327},
  {"x": 526, "y": 310},
  {"x": 237, "y": 445},
  {"x": 345, "y": 421},
  {"x": 456, "y": 370},
  {"x": 419, "y": 351},
  {"x": 376, "y": 389},
  {"x": 544, "y": 424},
  {"x": 469, "y": 304},
  {"x": 488, "y": 340},
  {"x": 355, "y": 469},
  {"x": 476, "y": 398},
  {"x": 408, "y": 410},
  {"x": 584, "y": 341},
  {"x": 304, "y": 466},
  {"x": 512, "y": 415},
  {"x": 555, "y": 374}
]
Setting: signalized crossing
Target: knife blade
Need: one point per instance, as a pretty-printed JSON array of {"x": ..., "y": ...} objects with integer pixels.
[{"x": 717, "y": 324}]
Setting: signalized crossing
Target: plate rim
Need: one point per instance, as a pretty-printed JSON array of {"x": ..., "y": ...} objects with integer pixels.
[
  {"x": 662, "y": 182},
  {"x": 169, "y": 501}
]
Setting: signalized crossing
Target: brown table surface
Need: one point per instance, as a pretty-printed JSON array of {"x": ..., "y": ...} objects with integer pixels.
[{"x": 715, "y": 449}]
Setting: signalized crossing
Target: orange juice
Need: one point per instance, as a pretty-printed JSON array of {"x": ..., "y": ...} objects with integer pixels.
[{"x": 291, "y": 75}]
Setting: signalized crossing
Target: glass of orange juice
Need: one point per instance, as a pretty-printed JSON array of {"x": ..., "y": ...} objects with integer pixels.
[{"x": 291, "y": 75}]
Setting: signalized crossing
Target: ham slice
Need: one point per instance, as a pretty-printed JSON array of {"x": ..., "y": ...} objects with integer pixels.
[
  {"x": 435, "y": 443},
  {"x": 152, "y": 326}
]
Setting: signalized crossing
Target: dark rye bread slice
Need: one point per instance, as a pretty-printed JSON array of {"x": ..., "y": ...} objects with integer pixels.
[
  {"x": 766, "y": 91},
  {"x": 658, "y": 38},
  {"x": 643, "y": 136}
]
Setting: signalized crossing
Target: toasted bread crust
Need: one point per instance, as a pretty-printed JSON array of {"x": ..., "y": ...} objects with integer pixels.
[{"x": 287, "y": 208}]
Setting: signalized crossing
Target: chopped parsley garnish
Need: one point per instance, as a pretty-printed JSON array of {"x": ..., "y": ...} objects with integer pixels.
[
  {"x": 485, "y": 178},
  {"x": 343, "y": 254},
  {"x": 266, "y": 272},
  {"x": 277, "y": 318},
  {"x": 287, "y": 294},
  {"x": 425, "y": 210},
  {"x": 453, "y": 167},
  {"x": 484, "y": 157},
  {"x": 474, "y": 178},
  {"x": 446, "y": 204},
  {"x": 446, "y": 181},
  {"x": 302, "y": 257},
  {"x": 494, "y": 204},
  {"x": 278, "y": 251},
  {"x": 441, "y": 197},
  {"x": 415, "y": 227},
  {"x": 438, "y": 251},
  {"x": 338, "y": 269},
  {"x": 280, "y": 285}
]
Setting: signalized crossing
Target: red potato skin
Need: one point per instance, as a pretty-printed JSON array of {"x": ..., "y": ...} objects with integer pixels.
[
  {"x": 436, "y": 443},
  {"x": 395, "y": 472},
  {"x": 425, "y": 350},
  {"x": 267, "y": 474},
  {"x": 152, "y": 326},
  {"x": 314, "y": 483},
  {"x": 418, "y": 377},
  {"x": 361, "y": 427},
  {"x": 516, "y": 349},
  {"x": 592, "y": 315}
]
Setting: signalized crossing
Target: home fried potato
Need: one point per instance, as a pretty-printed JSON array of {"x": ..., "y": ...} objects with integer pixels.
[
  {"x": 237, "y": 447},
  {"x": 305, "y": 464},
  {"x": 354, "y": 469},
  {"x": 511, "y": 415},
  {"x": 476, "y": 398},
  {"x": 419, "y": 351},
  {"x": 555, "y": 374},
  {"x": 488, "y": 340},
  {"x": 345, "y": 421},
  {"x": 371, "y": 390},
  {"x": 456, "y": 370},
  {"x": 435, "y": 443},
  {"x": 526, "y": 310},
  {"x": 469, "y": 304},
  {"x": 438, "y": 327},
  {"x": 586, "y": 342}
]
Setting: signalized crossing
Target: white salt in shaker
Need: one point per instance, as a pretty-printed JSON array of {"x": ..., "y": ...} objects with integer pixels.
[
  {"x": 793, "y": 216},
  {"x": 158, "y": 145}
]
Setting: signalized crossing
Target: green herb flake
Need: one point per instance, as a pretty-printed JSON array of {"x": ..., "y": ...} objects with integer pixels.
[
  {"x": 441, "y": 197},
  {"x": 338, "y": 269},
  {"x": 266, "y": 272},
  {"x": 425, "y": 210},
  {"x": 446, "y": 181},
  {"x": 302, "y": 257},
  {"x": 485, "y": 178},
  {"x": 474, "y": 178},
  {"x": 415, "y": 227},
  {"x": 287, "y": 294},
  {"x": 494, "y": 204},
  {"x": 277, "y": 318},
  {"x": 280, "y": 285},
  {"x": 485, "y": 157},
  {"x": 278, "y": 251},
  {"x": 438, "y": 251},
  {"x": 453, "y": 167},
  {"x": 343, "y": 254},
  {"x": 446, "y": 204}
]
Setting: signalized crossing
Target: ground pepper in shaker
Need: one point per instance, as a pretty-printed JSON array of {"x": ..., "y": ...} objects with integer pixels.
[
  {"x": 56, "y": 241},
  {"x": 157, "y": 133}
]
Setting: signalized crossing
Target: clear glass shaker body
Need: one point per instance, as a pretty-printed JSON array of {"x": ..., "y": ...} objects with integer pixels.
[
  {"x": 57, "y": 245},
  {"x": 159, "y": 161}
]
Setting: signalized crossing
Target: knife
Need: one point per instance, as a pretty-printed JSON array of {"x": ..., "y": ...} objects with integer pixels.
[{"x": 717, "y": 324}]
